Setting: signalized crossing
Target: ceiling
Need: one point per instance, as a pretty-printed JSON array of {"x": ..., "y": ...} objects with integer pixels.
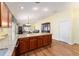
[{"x": 35, "y": 11}]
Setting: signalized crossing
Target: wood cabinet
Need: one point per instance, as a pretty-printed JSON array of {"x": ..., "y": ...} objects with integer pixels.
[
  {"x": 44, "y": 40},
  {"x": 40, "y": 41},
  {"x": 31, "y": 43},
  {"x": 23, "y": 45},
  {"x": 47, "y": 39},
  {"x": 5, "y": 15}
]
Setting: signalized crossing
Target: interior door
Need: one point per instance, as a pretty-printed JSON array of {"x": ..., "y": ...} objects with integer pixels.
[{"x": 64, "y": 31}]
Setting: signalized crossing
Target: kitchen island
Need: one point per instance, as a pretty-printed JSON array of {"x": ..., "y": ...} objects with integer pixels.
[{"x": 30, "y": 42}]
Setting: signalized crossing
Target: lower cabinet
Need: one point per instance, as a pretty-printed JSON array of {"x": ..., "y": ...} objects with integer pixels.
[
  {"x": 49, "y": 39},
  {"x": 23, "y": 46},
  {"x": 31, "y": 43},
  {"x": 40, "y": 41},
  {"x": 45, "y": 40}
]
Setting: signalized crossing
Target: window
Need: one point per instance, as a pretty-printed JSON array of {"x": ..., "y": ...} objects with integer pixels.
[{"x": 45, "y": 27}]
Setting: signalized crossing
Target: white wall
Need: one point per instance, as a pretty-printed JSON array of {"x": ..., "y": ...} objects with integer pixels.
[
  {"x": 55, "y": 21},
  {"x": 75, "y": 22}
]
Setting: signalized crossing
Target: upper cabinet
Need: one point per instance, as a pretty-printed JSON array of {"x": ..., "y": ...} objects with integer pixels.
[{"x": 5, "y": 16}]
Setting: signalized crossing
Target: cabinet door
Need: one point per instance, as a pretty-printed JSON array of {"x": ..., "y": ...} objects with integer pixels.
[
  {"x": 45, "y": 40},
  {"x": 33, "y": 43},
  {"x": 49, "y": 39},
  {"x": 23, "y": 46},
  {"x": 40, "y": 41},
  {"x": 4, "y": 15}
]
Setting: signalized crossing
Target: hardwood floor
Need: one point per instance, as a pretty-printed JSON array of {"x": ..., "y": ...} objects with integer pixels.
[{"x": 58, "y": 48}]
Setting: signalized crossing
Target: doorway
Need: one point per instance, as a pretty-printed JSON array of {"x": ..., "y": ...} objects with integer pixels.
[{"x": 65, "y": 31}]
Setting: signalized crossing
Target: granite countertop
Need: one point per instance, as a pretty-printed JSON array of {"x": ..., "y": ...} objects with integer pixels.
[
  {"x": 12, "y": 47},
  {"x": 8, "y": 51},
  {"x": 33, "y": 34}
]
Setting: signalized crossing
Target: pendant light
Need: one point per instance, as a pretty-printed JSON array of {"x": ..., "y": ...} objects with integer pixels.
[{"x": 28, "y": 23}]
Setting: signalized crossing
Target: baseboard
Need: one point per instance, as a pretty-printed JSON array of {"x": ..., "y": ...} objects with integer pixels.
[
  {"x": 76, "y": 42},
  {"x": 71, "y": 43}
]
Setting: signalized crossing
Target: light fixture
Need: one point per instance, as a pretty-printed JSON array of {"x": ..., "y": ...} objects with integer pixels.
[
  {"x": 21, "y": 7},
  {"x": 28, "y": 23},
  {"x": 37, "y": 2},
  {"x": 45, "y": 9},
  {"x": 35, "y": 8}
]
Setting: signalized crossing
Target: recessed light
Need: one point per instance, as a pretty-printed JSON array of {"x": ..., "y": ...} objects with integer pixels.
[
  {"x": 37, "y": 2},
  {"x": 22, "y": 7},
  {"x": 35, "y": 8},
  {"x": 45, "y": 9}
]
